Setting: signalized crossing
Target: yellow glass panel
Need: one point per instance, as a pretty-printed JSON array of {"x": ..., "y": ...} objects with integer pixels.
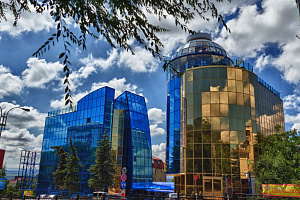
[
  {"x": 223, "y": 109},
  {"x": 251, "y": 89},
  {"x": 214, "y": 110},
  {"x": 239, "y": 86},
  {"x": 252, "y": 100},
  {"x": 239, "y": 74},
  {"x": 205, "y": 97},
  {"x": 224, "y": 97},
  {"x": 189, "y": 75},
  {"x": 232, "y": 98},
  {"x": 225, "y": 123},
  {"x": 225, "y": 136},
  {"x": 206, "y": 110},
  {"x": 215, "y": 97},
  {"x": 231, "y": 86},
  {"x": 234, "y": 137},
  {"x": 245, "y": 76},
  {"x": 240, "y": 99},
  {"x": 231, "y": 73},
  {"x": 247, "y": 88},
  {"x": 215, "y": 123}
]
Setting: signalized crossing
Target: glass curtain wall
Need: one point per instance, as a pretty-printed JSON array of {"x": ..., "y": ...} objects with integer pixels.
[
  {"x": 222, "y": 116},
  {"x": 85, "y": 126},
  {"x": 137, "y": 155}
]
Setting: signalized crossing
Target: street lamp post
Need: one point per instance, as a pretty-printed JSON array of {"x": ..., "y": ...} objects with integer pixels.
[{"x": 3, "y": 117}]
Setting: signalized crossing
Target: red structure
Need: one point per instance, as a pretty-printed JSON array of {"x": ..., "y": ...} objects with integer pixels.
[
  {"x": 157, "y": 163},
  {"x": 158, "y": 170},
  {"x": 2, "y": 152}
]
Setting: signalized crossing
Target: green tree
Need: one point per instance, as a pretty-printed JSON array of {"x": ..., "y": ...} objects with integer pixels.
[
  {"x": 61, "y": 170},
  {"x": 3, "y": 171},
  {"x": 72, "y": 170},
  {"x": 117, "y": 21},
  {"x": 279, "y": 162},
  {"x": 103, "y": 172}
]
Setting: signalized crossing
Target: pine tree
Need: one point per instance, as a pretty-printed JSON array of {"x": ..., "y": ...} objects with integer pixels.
[
  {"x": 60, "y": 173},
  {"x": 72, "y": 170},
  {"x": 3, "y": 171},
  {"x": 103, "y": 172}
]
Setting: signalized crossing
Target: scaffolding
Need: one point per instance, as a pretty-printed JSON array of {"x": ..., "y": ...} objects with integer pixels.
[{"x": 28, "y": 170}]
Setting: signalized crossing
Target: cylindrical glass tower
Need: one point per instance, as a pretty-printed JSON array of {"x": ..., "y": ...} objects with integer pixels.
[{"x": 214, "y": 111}]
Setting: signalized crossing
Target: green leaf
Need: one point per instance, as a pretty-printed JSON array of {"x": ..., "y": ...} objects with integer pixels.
[{"x": 61, "y": 55}]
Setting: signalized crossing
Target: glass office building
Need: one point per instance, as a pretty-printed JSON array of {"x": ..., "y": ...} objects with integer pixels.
[
  {"x": 214, "y": 112},
  {"x": 126, "y": 121}
]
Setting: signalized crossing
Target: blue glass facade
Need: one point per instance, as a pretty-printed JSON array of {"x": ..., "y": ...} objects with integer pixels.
[
  {"x": 137, "y": 155},
  {"x": 85, "y": 124}
]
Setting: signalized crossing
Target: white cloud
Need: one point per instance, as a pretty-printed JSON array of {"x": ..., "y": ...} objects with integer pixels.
[
  {"x": 288, "y": 61},
  {"x": 18, "y": 118},
  {"x": 156, "y": 115},
  {"x": 119, "y": 85},
  {"x": 142, "y": 61},
  {"x": 293, "y": 119},
  {"x": 40, "y": 72},
  {"x": 252, "y": 29},
  {"x": 156, "y": 131},
  {"x": 29, "y": 21},
  {"x": 58, "y": 104},
  {"x": 262, "y": 61},
  {"x": 101, "y": 63},
  {"x": 159, "y": 151},
  {"x": 291, "y": 102},
  {"x": 15, "y": 140},
  {"x": 10, "y": 84}
]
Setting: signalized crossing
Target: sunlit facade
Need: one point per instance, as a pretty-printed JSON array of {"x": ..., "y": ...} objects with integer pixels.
[
  {"x": 126, "y": 121},
  {"x": 214, "y": 112}
]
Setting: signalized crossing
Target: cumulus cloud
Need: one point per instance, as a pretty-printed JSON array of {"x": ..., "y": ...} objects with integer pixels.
[
  {"x": 14, "y": 140},
  {"x": 10, "y": 84},
  {"x": 294, "y": 120},
  {"x": 119, "y": 85},
  {"x": 291, "y": 102},
  {"x": 156, "y": 115},
  {"x": 156, "y": 131},
  {"x": 29, "y": 21},
  {"x": 40, "y": 72},
  {"x": 142, "y": 61},
  {"x": 101, "y": 63},
  {"x": 159, "y": 151},
  {"x": 21, "y": 119},
  {"x": 253, "y": 28},
  {"x": 262, "y": 61}
]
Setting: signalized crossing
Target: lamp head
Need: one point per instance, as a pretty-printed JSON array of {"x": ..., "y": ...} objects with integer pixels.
[{"x": 26, "y": 109}]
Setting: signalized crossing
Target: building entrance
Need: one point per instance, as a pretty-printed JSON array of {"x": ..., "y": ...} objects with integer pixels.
[{"x": 213, "y": 186}]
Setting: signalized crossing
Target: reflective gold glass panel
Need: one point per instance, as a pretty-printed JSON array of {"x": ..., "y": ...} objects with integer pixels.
[
  {"x": 239, "y": 86},
  {"x": 214, "y": 110},
  {"x": 224, "y": 97},
  {"x": 215, "y": 97},
  {"x": 205, "y": 97},
  {"x": 239, "y": 74},
  {"x": 189, "y": 75},
  {"x": 206, "y": 110},
  {"x": 225, "y": 136},
  {"x": 231, "y": 86},
  {"x": 223, "y": 109},
  {"x": 231, "y": 73},
  {"x": 232, "y": 98},
  {"x": 240, "y": 99},
  {"x": 215, "y": 123}
]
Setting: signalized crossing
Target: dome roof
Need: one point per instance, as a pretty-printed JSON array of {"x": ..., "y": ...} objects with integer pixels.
[{"x": 200, "y": 46}]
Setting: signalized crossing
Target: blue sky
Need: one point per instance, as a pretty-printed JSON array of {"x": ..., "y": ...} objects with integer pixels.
[{"x": 263, "y": 33}]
